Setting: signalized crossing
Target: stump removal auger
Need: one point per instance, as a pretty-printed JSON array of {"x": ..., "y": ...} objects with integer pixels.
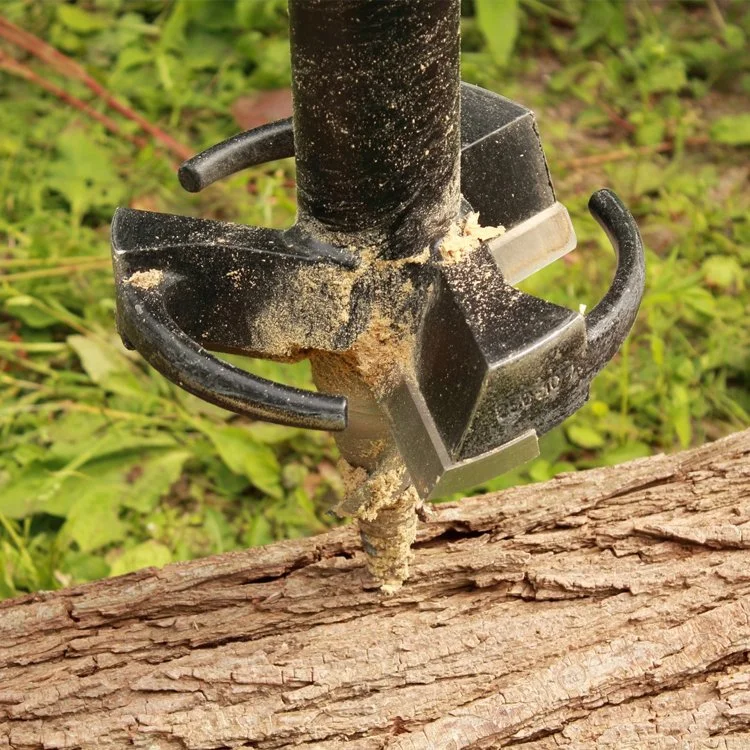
[{"x": 422, "y": 202}]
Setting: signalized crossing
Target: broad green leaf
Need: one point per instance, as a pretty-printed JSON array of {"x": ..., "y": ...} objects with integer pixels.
[
  {"x": 77, "y": 19},
  {"x": 735, "y": 37},
  {"x": 117, "y": 476},
  {"x": 732, "y": 130},
  {"x": 272, "y": 434},
  {"x": 724, "y": 272},
  {"x": 639, "y": 177},
  {"x": 145, "y": 555},
  {"x": 244, "y": 455},
  {"x": 23, "y": 494},
  {"x": 602, "y": 19},
  {"x": 262, "y": 15},
  {"x": 259, "y": 533},
  {"x": 650, "y": 128},
  {"x": 93, "y": 522},
  {"x": 97, "y": 359},
  {"x": 700, "y": 300},
  {"x": 83, "y": 566},
  {"x": 539, "y": 470},
  {"x": 149, "y": 481},
  {"x": 83, "y": 173},
  {"x": 498, "y": 20},
  {"x": 27, "y": 310},
  {"x": 132, "y": 57},
  {"x": 628, "y": 452},
  {"x": 297, "y": 374},
  {"x": 584, "y": 436},
  {"x": 81, "y": 465},
  {"x": 107, "y": 442}
]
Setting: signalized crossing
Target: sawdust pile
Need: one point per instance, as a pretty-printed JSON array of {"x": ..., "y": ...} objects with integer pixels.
[
  {"x": 464, "y": 237},
  {"x": 381, "y": 352},
  {"x": 387, "y": 536},
  {"x": 146, "y": 279},
  {"x": 306, "y": 312}
]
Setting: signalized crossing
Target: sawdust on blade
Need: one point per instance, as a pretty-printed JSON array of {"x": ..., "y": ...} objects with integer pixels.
[
  {"x": 149, "y": 279},
  {"x": 464, "y": 237},
  {"x": 381, "y": 352},
  {"x": 352, "y": 477},
  {"x": 293, "y": 317}
]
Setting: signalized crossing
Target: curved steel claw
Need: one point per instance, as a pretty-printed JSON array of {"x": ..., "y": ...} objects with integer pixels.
[
  {"x": 609, "y": 322},
  {"x": 175, "y": 279}
]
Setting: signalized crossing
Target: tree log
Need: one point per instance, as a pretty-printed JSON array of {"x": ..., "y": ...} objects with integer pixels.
[{"x": 606, "y": 608}]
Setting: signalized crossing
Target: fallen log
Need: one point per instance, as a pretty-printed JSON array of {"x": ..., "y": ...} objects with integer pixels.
[{"x": 606, "y": 608}]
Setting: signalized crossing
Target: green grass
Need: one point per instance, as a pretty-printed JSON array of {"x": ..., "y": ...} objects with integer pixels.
[{"x": 105, "y": 467}]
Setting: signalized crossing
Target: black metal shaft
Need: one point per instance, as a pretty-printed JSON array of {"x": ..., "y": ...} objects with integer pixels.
[{"x": 376, "y": 119}]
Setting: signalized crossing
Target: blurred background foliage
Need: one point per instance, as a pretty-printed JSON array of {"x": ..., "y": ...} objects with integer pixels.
[{"x": 105, "y": 467}]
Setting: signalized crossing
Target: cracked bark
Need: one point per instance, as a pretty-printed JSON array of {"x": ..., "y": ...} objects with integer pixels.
[{"x": 607, "y": 608}]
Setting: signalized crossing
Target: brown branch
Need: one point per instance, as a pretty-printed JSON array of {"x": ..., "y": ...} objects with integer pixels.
[
  {"x": 618, "y": 119},
  {"x": 12, "y": 66},
  {"x": 71, "y": 69}
]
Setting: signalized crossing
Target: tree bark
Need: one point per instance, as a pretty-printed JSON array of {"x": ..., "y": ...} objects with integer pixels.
[{"x": 606, "y": 608}]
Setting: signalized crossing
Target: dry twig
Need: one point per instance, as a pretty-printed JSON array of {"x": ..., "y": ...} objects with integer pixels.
[
  {"x": 12, "y": 66},
  {"x": 67, "y": 67}
]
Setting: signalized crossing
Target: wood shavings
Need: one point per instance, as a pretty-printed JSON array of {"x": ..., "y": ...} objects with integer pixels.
[
  {"x": 464, "y": 237},
  {"x": 387, "y": 536},
  {"x": 146, "y": 279}
]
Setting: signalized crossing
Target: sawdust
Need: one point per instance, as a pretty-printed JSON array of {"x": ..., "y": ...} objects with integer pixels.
[
  {"x": 387, "y": 537},
  {"x": 306, "y": 312},
  {"x": 375, "y": 448},
  {"x": 316, "y": 304},
  {"x": 464, "y": 237},
  {"x": 352, "y": 477},
  {"x": 418, "y": 259},
  {"x": 387, "y": 510},
  {"x": 383, "y": 490},
  {"x": 146, "y": 279},
  {"x": 381, "y": 352}
]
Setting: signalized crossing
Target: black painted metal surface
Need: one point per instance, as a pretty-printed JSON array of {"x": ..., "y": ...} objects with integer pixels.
[
  {"x": 500, "y": 147},
  {"x": 376, "y": 106}
]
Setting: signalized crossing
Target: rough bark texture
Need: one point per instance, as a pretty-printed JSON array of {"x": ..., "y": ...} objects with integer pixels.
[{"x": 608, "y": 608}]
